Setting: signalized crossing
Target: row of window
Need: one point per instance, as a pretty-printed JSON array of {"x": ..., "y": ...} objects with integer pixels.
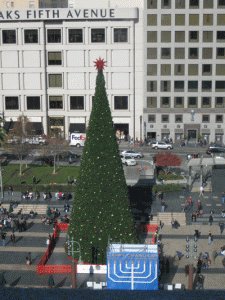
[
  {"x": 179, "y": 37},
  {"x": 179, "y": 53},
  {"x": 180, "y": 20},
  {"x": 181, "y": 4},
  {"x": 179, "y": 69},
  {"x": 56, "y": 102},
  {"x": 165, "y": 85},
  {"x": 179, "y": 118},
  {"x": 192, "y": 102},
  {"x": 75, "y": 35}
]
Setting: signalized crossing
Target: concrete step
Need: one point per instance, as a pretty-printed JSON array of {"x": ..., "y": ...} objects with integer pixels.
[
  {"x": 166, "y": 218},
  {"x": 26, "y": 208}
]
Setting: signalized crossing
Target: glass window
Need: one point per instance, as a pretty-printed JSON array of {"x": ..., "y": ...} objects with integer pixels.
[
  {"x": 120, "y": 35},
  {"x": 179, "y": 36},
  {"x": 9, "y": 36},
  {"x": 207, "y": 53},
  {"x": 54, "y": 58},
  {"x": 151, "y": 20},
  {"x": 207, "y": 19},
  {"x": 220, "y": 85},
  {"x": 121, "y": 102},
  {"x": 193, "y": 53},
  {"x": 180, "y": 20},
  {"x": 151, "y": 102},
  {"x": 30, "y": 36},
  {"x": 221, "y": 3},
  {"x": 152, "y": 36},
  {"x": 206, "y": 102},
  {"x": 151, "y": 4},
  {"x": 165, "y": 3},
  {"x": 98, "y": 35},
  {"x": 220, "y": 36},
  {"x": 194, "y": 3},
  {"x": 219, "y": 102},
  {"x": 193, "y": 36},
  {"x": 205, "y": 118},
  {"x": 77, "y": 102},
  {"x": 192, "y": 101},
  {"x": 11, "y": 102},
  {"x": 206, "y": 85},
  {"x": 193, "y": 86},
  {"x": 179, "y": 69},
  {"x": 55, "y": 80},
  {"x": 151, "y": 53},
  {"x": 194, "y": 20},
  {"x": 179, "y": 3},
  {"x": 151, "y": 69},
  {"x": 179, "y": 53},
  {"x": 219, "y": 118},
  {"x": 207, "y": 36},
  {"x": 178, "y": 118},
  {"x": 165, "y": 53},
  {"x": 178, "y": 85},
  {"x": 151, "y": 118},
  {"x": 208, "y": 3},
  {"x": 33, "y": 102},
  {"x": 207, "y": 69},
  {"x": 220, "y": 69},
  {"x": 220, "y": 52},
  {"x": 165, "y": 86},
  {"x": 166, "y": 69},
  {"x": 165, "y": 118},
  {"x": 75, "y": 35},
  {"x": 179, "y": 102},
  {"x": 221, "y": 19},
  {"x": 151, "y": 86},
  {"x": 165, "y": 36},
  {"x": 55, "y": 102},
  {"x": 54, "y": 35},
  {"x": 193, "y": 69},
  {"x": 165, "y": 20}
]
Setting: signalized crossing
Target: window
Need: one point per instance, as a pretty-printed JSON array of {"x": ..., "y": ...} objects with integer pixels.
[
  {"x": 98, "y": 35},
  {"x": 219, "y": 118},
  {"x": 220, "y": 52},
  {"x": 221, "y": 3},
  {"x": 221, "y": 19},
  {"x": 193, "y": 36},
  {"x": 166, "y": 69},
  {"x": 179, "y": 3},
  {"x": 165, "y": 86},
  {"x": 178, "y": 119},
  {"x": 75, "y": 35},
  {"x": 165, "y": 20},
  {"x": 165, "y": 36},
  {"x": 165, "y": 101},
  {"x": 165, "y": 53},
  {"x": 192, "y": 86},
  {"x": 152, "y": 36},
  {"x": 193, "y": 70},
  {"x": 11, "y": 103},
  {"x": 179, "y": 102},
  {"x": 151, "y": 118},
  {"x": 151, "y": 20},
  {"x": 54, "y": 35},
  {"x": 207, "y": 53},
  {"x": 220, "y": 85},
  {"x": 151, "y": 53},
  {"x": 192, "y": 101},
  {"x": 219, "y": 102},
  {"x": 220, "y": 36},
  {"x": 208, "y": 19},
  {"x": 120, "y": 35},
  {"x": 206, "y": 85},
  {"x": 206, "y": 102},
  {"x": 30, "y": 36},
  {"x": 194, "y": 3},
  {"x": 194, "y": 20},
  {"x": 165, "y": 4},
  {"x": 54, "y": 58},
  {"x": 180, "y": 20},
  {"x": 151, "y": 86},
  {"x": 151, "y": 69},
  {"x": 178, "y": 86},
  {"x": 55, "y": 102},
  {"x": 205, "y": 118},
  {"x": 33, "y": 102},
  {"x": 165, "y": 118},
  {"x": 179, "y": 36},
  {"x": 121, "y": 102},
  {"x": 208, "y": 3},
  {"x": 179, "y": 69},
  {"x": 77, "y": 102},
  {"x": 55, "y": 80},
  {"x": 206, "y": 69},
  {"x": 152, "y": 4},
  {"x": 9, "y": 36},
  {"x": 220, "y": 69},
  {"x": 151, "y": 102},
  {"x": 193, "y": 53},
  {"x": 179, "y": 53},
  {"x": 207, "y": 36}
]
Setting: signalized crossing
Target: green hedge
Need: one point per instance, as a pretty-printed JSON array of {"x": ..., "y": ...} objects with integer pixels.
[
  {"x": 167, "y": 188},
  {"x": 169, "y": 177}
]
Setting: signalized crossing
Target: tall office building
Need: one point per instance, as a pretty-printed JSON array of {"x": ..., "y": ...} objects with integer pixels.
[{"x": 185, "y": 69}]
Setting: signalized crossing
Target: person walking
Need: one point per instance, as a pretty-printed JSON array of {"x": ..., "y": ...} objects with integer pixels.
[
  {"x": 3, "y": 236},
  {"x": 210, "y": 220},
  {"x": 13, "y": 238},
  {"x": 51, "y": 282},
  {"x": 201, "y": 191},
  {"x": 221, "y": 225},
  {"x": 210, "y": 238}
]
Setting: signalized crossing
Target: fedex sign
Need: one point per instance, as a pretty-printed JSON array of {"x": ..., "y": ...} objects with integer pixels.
[{"x": 77, "y": 139}]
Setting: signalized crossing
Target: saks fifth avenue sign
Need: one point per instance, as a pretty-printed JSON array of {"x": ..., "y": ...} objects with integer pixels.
[{"x": 68, "y": 14}]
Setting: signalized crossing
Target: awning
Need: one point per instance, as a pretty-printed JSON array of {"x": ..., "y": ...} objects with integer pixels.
[
  {"x": 165, "y": 130},
  {"x": 37, "y": 127},
  {"x": 219, "y": 131},
  {"x": 178, "y": 130},
  {"x": 8, "y": 125},
  {"x": 205, "y": 131},
  {"x": 77, "y": 127}
]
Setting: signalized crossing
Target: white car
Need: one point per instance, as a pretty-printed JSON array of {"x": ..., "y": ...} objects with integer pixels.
[
  {"x": 128, "y": 160},
  {"x": 162, "y": 145},
  {"x": 132, "y": 154}
]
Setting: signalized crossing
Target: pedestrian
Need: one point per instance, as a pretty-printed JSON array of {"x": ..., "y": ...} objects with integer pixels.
[
  {"x": 210, "y": 238},
  {"x": 3, "y": 236},
  {"x": 13, "y": 238},
  {"x": 201, "y": 191},
  {"x": 221, "y": 225},
  {"x": 29, "y": 257},
  {"x": 28, "y": 261},
  {"x": 167, "y": 265},
  {"x": 223, "y": 198},
  {"x": 210, "y": 220},
  {"x": 51, "y": 282}
]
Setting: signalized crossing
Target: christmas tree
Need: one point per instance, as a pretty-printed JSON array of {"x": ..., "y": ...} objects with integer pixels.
[{"x": 101, "y": 210}]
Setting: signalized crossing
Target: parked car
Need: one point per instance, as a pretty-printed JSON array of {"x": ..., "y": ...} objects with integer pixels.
[
  {"x": 132, "y": 154},
  {"x": 215, "y": 148},
  {"x": 35, "y": 140},
  {"x": 128, "y": 160},
  {"x": 162, "y": 145}
]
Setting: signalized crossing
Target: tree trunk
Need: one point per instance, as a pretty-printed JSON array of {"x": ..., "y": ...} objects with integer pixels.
[{"x": 54, "y": 169}]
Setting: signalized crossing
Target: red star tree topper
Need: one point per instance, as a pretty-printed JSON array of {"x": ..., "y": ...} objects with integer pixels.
[{"x": 100, "y": 64}]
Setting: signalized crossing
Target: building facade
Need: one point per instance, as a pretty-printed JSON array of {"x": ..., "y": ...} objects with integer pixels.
[
  {"x": 47, "y": 64},
  {"x": 185, "y": 70}
]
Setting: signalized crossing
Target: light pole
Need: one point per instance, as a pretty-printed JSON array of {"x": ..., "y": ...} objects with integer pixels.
[
  {"x": 71, "y": 244},
  {"x": 1, "y": 181}
]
